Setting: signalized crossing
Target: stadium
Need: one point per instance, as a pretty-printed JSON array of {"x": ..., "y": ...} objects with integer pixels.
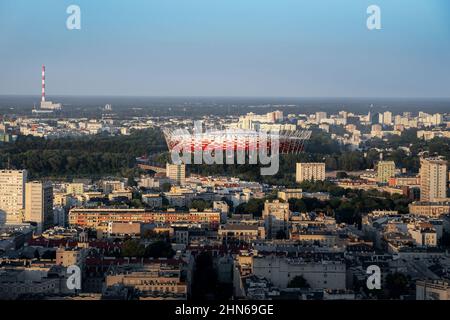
[{"x": 289, "y": 142}]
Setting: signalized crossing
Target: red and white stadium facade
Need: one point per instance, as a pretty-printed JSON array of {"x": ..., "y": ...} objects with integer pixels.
[{"x": 290, "y": 142}]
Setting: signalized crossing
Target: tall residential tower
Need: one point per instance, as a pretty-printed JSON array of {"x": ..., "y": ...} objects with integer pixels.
[
  {"x": 39, "y": 204},
  {"x": 12, "y": 195},
  {"x": 433, "y": 179}
]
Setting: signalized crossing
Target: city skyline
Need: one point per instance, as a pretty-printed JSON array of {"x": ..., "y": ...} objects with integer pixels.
[{"x": 181, "y": 154}]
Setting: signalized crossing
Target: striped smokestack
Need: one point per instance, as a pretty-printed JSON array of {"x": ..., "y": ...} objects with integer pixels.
[{"x": 43, "y": 83}]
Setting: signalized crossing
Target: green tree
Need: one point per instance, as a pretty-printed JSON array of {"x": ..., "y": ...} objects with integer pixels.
[
  {"x": 199, "y": 204},
  {"x": 341, "y": 175},
  {"x": 298, "y": 282},
  {"x": 281, "y": 234},
  {"x": 159, "y": 249},
  {"x": 166, "y": 187},
  {"x": 132, "y": 248},
  {"x": 396, "y": 285}
]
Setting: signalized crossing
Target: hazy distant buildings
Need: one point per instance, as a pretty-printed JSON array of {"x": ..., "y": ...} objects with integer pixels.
[
  {"x": 320, "y": 115},
  {"x": 310, "y": 171},
  {"x": 385, "y": 170},
  {"x": 12, "y": 195},
  {"x": 39, "y": 204},
  {"x": 49, "y": 105},
  {"x": 433, "y": 179}
]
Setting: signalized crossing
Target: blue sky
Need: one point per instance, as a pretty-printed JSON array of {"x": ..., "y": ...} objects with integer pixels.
[{"x": 293, "y": 48}]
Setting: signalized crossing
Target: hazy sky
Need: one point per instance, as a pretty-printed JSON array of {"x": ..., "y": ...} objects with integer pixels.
[{"x": 314, "y": 48}]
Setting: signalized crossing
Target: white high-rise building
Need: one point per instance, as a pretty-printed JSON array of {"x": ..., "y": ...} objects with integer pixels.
[
  {"x": 433, "y": 179},
  {"x": 12, "y": 195}
]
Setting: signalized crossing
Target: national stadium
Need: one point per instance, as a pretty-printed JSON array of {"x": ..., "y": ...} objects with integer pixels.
[{"x": 289, "y": 142}]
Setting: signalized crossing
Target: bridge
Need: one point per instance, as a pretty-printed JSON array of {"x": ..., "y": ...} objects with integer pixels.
[{"x": 151, "y": 167}]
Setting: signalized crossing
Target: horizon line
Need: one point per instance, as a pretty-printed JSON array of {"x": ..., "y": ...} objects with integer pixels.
[{"x": 228, "y": 96}]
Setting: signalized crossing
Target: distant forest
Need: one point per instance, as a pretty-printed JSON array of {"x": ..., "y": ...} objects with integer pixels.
[{"x": 92, "y": 156}]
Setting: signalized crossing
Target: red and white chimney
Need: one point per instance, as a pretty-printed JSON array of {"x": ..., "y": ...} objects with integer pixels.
[{"x": 43, "y": 83}]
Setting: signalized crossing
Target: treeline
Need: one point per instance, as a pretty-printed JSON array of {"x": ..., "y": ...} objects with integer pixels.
[{"x": 91, "y": 155}]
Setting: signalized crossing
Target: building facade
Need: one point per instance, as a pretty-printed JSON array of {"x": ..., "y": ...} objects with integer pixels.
[
  {"x": 176, "y": 173},
  {"x": 100, "y": 218},
  {"x": 12, "y": 195},
  {"x": 385, "y": 170},
  {"x": 276, "y": 218},
  {"x": 433, "y": 179},
  {"x": 39, "y": 204},
  {"x": 310, "y": 171}
]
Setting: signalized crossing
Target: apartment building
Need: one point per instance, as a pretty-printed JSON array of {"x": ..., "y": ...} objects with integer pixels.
[
  {"x": 310, "y": 171},
  {"x": 385, "y": 170},
  {"x": 176, "y": 173},
  {"x": 39, "y": 204},
  {"x": 12, "y": 195},
  {"x": 433, "y": 179},
  {"x": 276, "y": 218}
]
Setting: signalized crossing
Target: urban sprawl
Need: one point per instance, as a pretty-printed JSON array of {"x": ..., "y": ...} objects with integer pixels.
[{"x": 367, "y": 189}]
